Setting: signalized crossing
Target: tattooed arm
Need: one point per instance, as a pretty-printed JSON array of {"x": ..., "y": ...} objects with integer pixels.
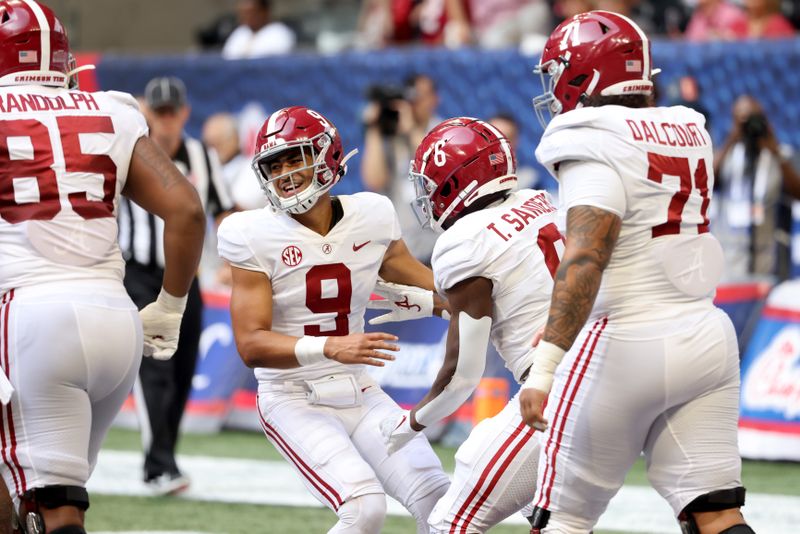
[
  {"x": 159, "y": 187},
  {"x": 591, "y": 236}
]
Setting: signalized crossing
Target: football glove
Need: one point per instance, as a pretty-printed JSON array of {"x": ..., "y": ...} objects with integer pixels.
[
  {"x": 403, "y": 302},
  {"x": 161, "y": 324},
  {"x": 397, "y": 431}
]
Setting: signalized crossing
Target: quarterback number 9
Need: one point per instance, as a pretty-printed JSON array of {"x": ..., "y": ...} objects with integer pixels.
[{"x": 335, "y": 274}]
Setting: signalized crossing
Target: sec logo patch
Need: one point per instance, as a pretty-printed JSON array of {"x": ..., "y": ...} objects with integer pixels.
[{"x": 292, "y": 256}]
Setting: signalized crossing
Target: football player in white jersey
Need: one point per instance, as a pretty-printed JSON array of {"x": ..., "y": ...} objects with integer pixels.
[
  {"x": 71, "y": 338},
  {"x": 303, "y": 270},
  {"x": 638, "y": 357},
  {"x": 495, "y": 263}
]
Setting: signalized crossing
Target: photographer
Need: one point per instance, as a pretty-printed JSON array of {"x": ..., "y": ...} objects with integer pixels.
[
  {"x": 757, "y": 179},
  {"x": 395, "y": 120}
]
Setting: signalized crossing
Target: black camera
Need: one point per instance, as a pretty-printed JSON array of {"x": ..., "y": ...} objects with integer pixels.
[
  {"x": 386, "y": 97},
  {"x": 755, "y": 127}
]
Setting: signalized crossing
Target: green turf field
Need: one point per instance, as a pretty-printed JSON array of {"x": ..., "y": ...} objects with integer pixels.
[{"x": 118, "y": 513}]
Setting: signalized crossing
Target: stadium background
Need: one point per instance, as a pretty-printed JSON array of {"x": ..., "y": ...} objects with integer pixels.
[{"x": 470, "y": 82}]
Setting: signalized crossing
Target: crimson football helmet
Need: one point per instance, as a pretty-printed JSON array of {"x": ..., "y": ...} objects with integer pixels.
[
  {"x": 33, "y": 45},
  {"x": 299, "y": 127},
  {"x": 459, "y": 162},
  {"x": 598, "y": 52}
]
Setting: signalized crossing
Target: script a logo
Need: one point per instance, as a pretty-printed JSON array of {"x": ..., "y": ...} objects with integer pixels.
[
  {"x": 292, "y": 256},
  {"x": 407, "y": 305}
]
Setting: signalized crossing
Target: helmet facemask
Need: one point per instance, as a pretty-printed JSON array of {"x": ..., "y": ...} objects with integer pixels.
[
  {"x": 546, "y": 106},
  {"x": 298, "y": 200},
  {"x": 421, "y": 205}
]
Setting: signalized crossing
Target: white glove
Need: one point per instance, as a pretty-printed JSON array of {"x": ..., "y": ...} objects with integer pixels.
[
  {"x": 161, "y": 324},
  {"x": 397, "y": 431},
  {"x": 404, "y": 302}
]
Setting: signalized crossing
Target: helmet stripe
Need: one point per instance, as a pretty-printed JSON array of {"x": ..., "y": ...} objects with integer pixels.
[
  {"x": 44, "y": 61},
  {"x": 271, "y": 121},
  {"x": 645, "y": 46}
]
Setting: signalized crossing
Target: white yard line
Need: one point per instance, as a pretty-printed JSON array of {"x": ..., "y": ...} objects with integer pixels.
[{"x": 274, "y": 482}]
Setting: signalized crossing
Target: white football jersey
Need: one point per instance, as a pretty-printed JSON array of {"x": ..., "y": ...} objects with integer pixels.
[
  {"x": 320, "y": 284},
  {"x": 664, "y": 159},
  {"x": 517, "y": 246},
  {"x": 64, "y": 156}
]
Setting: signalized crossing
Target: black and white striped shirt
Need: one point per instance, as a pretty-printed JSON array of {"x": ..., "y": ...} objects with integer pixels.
[{"x": 141, "y": 234}]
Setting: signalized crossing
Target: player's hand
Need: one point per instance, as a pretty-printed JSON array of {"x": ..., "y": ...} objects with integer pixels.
[
  {"x": 361, "y": 348},
  {"x": 161, "y": 324},
  {"x": 403, "y": 302},
  {"x": 531, "y": 405},
  {"x": 397, "y": 431}
]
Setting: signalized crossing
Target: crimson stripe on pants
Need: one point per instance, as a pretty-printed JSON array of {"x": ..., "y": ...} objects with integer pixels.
[
  {"x": 10, "y": 456},
  {"x": 3, "y": 312},
  {"x": 548, "y": 486},
  {"x": 484, "y": 474},
  {"x": 526, "y": 436},
  {"x": 548, "y": 446},
  {"x": 332, "y": 497}
]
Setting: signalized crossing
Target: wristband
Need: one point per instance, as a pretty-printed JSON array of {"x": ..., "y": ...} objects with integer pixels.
[
  {"x": 310, "y": 350},
  {"x": 171, "y": 304},
  {"x": 546, "y": 358}
]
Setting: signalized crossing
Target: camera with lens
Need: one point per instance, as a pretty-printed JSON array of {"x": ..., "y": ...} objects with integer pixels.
[
  {"x": 386, "y": 97},
  {"x": 754, "y": 127}
]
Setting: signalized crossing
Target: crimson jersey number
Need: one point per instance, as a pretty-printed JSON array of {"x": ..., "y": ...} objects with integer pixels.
[
  {"x": 340, "y": 304},
  {"x": 548, "y": 235},
  {"x": 658, "y": 166},
  {"x": 34, "y": 135}
]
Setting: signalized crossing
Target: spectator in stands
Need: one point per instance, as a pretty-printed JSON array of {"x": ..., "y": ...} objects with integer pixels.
[
  {"x": 509, "y": 127},
  {"x": 756, "y": 178},
  {"x": 714, "y": 19},
  {"x": 564, "y": 9},
  {"x": 164, "y": 385},
  {"x": 764, "y": 20},
  {"x": 628, "y": 8},
  {"x": 685, "y": 91},
  {"x": 257, "y": 35},
  {"x": 504, "y": 23},
  {"x": 667, "y": 17},
  {"x": 396, "y": 120},
  {"x": 375, "y": 27},
  {"x": 221, "y": 133}
]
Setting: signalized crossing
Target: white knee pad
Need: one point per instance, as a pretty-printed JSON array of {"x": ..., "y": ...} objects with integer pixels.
[{"x": 361, "y": 515}]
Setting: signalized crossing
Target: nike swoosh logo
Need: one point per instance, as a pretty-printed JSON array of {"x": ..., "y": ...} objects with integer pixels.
[
  {"x": 365, "y": 389},
  {"x": 356, "y": 248}
]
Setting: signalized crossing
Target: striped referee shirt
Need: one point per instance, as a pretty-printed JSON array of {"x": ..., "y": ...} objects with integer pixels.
[{"x": 141, "y": 234}]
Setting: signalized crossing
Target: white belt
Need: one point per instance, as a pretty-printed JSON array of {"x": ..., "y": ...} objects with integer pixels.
[{"x": 287, "y": 386}]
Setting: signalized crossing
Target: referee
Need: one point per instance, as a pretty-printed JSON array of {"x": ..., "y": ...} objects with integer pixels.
[{"x": 164, "y": 385}]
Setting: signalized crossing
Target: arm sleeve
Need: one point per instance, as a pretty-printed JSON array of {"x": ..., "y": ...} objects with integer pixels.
[
  {"x": 591, "y": 183},
  {"x": 232, "y": 246}
]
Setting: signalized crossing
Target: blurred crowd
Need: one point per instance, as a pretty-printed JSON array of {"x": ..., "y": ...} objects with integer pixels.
[
  {"x": 758, "y": 177},
  {"x": 371, "y": 24}
]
